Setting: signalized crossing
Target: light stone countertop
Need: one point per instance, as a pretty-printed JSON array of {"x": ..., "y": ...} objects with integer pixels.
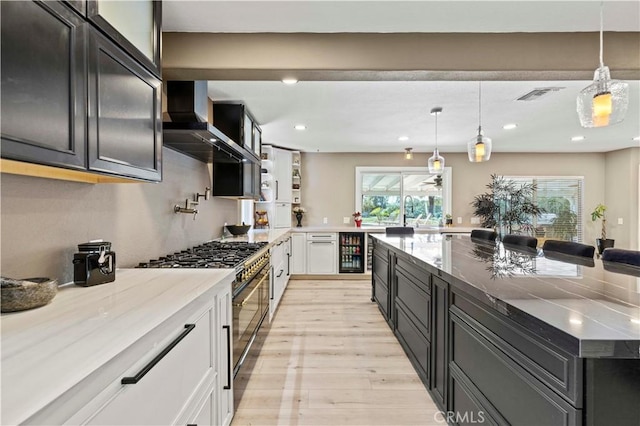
[
  {"x": 47, "y": 351},
  {"x": 381, "y": 229}
]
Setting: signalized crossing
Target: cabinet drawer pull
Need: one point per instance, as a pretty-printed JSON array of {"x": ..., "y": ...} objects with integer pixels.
[
  {"x": 280, "y": 274},
  {"x": 228, "y": 329},
  {"x": 188, "y": 328}
]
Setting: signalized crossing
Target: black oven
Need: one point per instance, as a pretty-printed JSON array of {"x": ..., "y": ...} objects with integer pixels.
[{"x": 250, "y": 307}]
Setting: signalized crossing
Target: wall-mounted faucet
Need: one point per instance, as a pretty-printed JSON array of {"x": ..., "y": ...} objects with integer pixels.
[
  {"x": 186, "y": 208},
  {"x": 206, "y": 195}
]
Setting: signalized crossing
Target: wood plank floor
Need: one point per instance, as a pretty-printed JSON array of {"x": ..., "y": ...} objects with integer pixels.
[{"x": 329, "y": 358}]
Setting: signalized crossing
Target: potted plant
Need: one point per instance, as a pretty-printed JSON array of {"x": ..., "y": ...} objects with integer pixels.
[
  {"x": 299, "y": 212},
  {"x": 448, "y": 220},
  {"x": 603, "y": 242},
  {"x": 357, "y": 218}
]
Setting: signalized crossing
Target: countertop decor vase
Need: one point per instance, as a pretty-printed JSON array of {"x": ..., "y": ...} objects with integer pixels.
[{"x": 299, "y": 219}]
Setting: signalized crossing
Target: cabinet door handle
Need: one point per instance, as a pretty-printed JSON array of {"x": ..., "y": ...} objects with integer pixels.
[
  {"x": 228, "y": 329},
  {"x": 288, "y": 263},
  {"x": 188, "y": 328},
  {"x": 277, "y": 190},
  {"x": 271, "y": 290},
  {"x": 280, "y": 274}
]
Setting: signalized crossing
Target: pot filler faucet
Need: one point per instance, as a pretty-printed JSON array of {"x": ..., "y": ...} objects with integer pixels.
[{"x": 404, "y": 205}]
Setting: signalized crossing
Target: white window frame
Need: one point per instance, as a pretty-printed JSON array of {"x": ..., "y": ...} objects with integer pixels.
[
  {"x": 446, "y": 183},
  {"x": 582, "y": 211}
]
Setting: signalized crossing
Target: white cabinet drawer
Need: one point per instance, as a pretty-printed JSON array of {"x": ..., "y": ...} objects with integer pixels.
[{"x": 159, "y": 396}]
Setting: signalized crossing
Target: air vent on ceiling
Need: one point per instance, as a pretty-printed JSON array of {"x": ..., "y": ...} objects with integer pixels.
[{"x": 538, "y": 93}]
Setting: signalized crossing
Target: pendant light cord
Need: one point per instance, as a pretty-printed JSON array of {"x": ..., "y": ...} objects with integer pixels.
[
  {"x": 601, "y": 30},
  {"x": 479, "y": 106},
  {"x": 436, "y": 131}
]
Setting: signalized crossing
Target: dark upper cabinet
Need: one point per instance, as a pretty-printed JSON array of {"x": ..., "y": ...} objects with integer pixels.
[
  {"x": 232, "y": 178},
  {"x": 133, "y": 25},
  {"x": 125, "y": 121},
  {"x": 73, "y": 98},
  {"x": 43, "y": 84},
  {"x": 235, "y": 121}
]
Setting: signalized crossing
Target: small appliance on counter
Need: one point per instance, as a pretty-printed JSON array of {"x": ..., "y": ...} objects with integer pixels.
[{"x": 95, "y": 264}]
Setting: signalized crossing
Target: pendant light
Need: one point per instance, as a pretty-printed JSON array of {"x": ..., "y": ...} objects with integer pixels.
[
  {"x": 408, "y": 155},
  {"x": 436, "y": 161},
  {"x": 479, "y": 148},
  {"x": 605, "y": 101}
]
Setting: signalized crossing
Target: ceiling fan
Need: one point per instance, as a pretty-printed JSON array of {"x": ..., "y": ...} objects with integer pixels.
[{"x": 437, "y": 182}]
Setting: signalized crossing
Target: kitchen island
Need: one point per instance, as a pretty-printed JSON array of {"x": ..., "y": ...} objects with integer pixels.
[{"x": 510, "y": 336}]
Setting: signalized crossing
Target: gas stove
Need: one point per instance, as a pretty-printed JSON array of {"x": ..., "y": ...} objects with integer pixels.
[{"x": 214, "y": 254}]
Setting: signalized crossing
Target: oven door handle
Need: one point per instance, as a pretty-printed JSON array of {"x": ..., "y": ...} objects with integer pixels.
[{"x": 246, "y": 299}]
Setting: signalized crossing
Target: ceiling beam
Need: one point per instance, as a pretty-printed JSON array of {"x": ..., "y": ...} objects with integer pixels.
[{"x": 397, "y": 56}]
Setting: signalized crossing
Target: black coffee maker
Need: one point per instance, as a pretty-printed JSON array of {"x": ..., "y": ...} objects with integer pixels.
[{"x": 95, "y": 264}]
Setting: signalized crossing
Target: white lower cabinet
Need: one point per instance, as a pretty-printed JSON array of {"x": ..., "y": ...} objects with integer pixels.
[
  {"x": 322, "y": 253},
  {"x": 225, "y": 358},
  {"x": 299, "y": 253},
  {"x": 279, "y": 274},
  {"x": 179, "y": 374}
]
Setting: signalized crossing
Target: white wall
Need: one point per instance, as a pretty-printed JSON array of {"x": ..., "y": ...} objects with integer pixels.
[{"x": 44, "y": 220}]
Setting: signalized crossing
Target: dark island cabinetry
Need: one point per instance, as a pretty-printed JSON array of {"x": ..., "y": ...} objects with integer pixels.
[
  {"x": 485, "y": 362},
  {"x": 74, "y": 99}
]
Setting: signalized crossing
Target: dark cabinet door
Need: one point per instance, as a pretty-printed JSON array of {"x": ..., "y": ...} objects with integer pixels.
[
  {"x": 125, "y": 122},
  {"x": 43, "y": 84},
  {"x": 439, "y": 350},
  {"x": 134, "y": 25},
  {"x": 257, "y": 140}
]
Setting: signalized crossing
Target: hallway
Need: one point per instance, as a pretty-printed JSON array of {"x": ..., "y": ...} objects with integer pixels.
[{"x": 330, "y": 359}]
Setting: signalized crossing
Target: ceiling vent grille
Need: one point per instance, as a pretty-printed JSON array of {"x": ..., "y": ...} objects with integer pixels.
[{"x": 538, "y": 93}]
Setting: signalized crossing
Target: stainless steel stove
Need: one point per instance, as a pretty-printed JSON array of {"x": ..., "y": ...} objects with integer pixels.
[{"x": 251, "y": 288}]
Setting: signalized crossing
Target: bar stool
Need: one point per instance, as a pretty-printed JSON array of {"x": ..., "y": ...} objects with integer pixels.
[
  {"x": 628, "y": 257},
  {"x": 569, "y": 247},
  {"x": 399, "y": 230},
  {"x": 484, "y": 234},
  {"x": 520, "y": 240}
]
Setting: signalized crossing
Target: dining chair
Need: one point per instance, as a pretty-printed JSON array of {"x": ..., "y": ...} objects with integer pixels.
[
  {"x": 484, "y": 234},
  {"x": 399, "y": 230},
  {"x": 520, "y": 240},
  {"x": 569, "y": 247},
  {"x": 629, "y": 257}
]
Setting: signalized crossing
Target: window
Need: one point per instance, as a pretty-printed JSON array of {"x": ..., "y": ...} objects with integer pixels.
[
  {"x": 561, "y": 198},
  {"x": 391, "y": 196}
]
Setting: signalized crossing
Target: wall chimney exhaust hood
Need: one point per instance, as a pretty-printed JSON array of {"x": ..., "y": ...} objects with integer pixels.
[{"x": 189, "y": 131}]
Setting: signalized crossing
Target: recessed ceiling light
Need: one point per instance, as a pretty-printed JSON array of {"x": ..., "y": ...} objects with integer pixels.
[
  {"x": 289, "y": 81},
  {"x": 637, "y": 138},
  {"x": 213, "y": 140},
  {"x": 575, "y": 321},
  {"x": 300, "y": 127},
  {"x": 403, "y": 138},
  {"x": 577, "y": 138},
  {"x": 510, "y": 126},
  {"x": 635, "y": 321}
]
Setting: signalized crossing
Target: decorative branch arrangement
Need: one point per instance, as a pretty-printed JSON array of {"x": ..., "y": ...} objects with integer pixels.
[{"x": 508, "y": 206}]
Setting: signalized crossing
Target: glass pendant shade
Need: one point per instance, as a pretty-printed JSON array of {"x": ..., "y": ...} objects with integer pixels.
[
  {"x": 604, "y": 102},
  {"x": 436, "y": 163},
  {"x": 479, "y": 148}
]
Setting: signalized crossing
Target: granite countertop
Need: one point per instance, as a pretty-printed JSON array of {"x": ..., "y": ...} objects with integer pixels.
[
  {"x": 48, "y": 350},
  {"x": 590, "y": 311}
]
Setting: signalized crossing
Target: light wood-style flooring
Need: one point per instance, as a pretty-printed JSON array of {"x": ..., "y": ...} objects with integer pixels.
[{"x": 329, "y": 358}]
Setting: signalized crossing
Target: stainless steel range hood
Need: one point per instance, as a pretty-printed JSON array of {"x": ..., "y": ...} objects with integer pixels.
[{"x": 190, "y": 132}]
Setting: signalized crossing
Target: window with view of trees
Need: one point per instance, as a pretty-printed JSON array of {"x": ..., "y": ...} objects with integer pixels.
[
  {"x": 561, "y": 200},
  {"x": 386, "y": 196}
]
